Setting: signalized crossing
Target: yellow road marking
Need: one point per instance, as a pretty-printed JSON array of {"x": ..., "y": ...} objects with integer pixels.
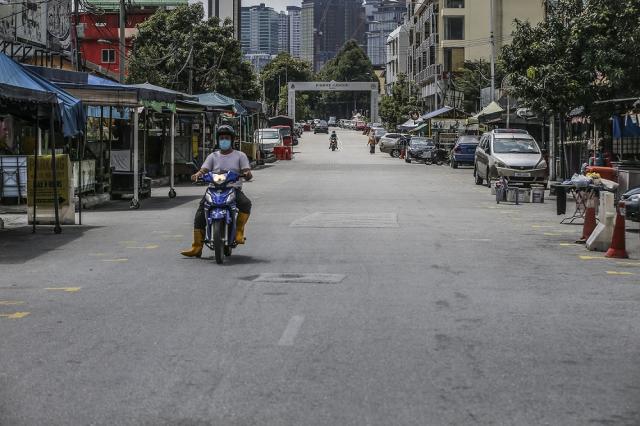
[
  {"x": 15, "y": 315},
  {"x": 571, "y": 245},
  {"x": 116, "y": 260},
  {"x": 619, "y": 273},
  {"x": 629, "y": 264},
  {"x": 551, "y": 234},
  {"x": 593, "y": 258},
  {"x": 65, "y": 289},
  {"x": 10, "y": 302},
  {"x": 148, "y": 247}
]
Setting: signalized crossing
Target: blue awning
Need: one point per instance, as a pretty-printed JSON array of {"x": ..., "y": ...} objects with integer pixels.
[
  {"x": 217, "y": 101},
  {"x": 21, "y": 84},
  {"x": 436, "y": 113}
]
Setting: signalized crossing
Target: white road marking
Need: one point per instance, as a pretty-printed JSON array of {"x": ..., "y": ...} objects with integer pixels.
[{"x": 289, "y": 334}]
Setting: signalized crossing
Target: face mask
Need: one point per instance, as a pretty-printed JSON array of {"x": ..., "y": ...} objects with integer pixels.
[{"x": 225, "y": 144}]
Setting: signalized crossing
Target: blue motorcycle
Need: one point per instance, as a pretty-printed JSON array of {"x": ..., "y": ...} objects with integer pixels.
[{"x": 221, "y": 212}]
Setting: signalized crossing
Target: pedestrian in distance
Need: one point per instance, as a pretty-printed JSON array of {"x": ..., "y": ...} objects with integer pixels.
[{"x": 372, "y": 142}]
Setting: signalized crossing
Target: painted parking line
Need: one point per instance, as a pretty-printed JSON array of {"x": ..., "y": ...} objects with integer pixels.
[
  {"x": 15, "y": 315},
  {"x": 64, "y": 289},
  {"x": 146, "y": 247},
  {"x": 594, "y": 258},
  {"x": 290, "y": 333},
  {"x": 120, "y": 260},
  {"x": 628, "y": 264},
  {"x": 620, "y": 273},
  {"x": 11, "y": 302}
]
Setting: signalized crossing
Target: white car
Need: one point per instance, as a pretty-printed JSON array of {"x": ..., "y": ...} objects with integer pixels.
[{"x": 267, "y": 139}]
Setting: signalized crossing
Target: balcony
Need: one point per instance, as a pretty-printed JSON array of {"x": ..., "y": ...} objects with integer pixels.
[{"x": 429, "y": 73}]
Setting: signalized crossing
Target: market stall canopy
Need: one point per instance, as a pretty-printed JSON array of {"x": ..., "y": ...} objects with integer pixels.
[
  {"x": 20, "y": 84},
  {"x": 492, "y": 108},
  {"x": 410, "y": 124},
  {"x": 216, "y": 101},
  {"x": 252, "y": 107},
  {"x": 436, "y": 113}
]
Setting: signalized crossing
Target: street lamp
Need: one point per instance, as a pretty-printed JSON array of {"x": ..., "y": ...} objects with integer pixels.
[{"x": 508, "y": 99}]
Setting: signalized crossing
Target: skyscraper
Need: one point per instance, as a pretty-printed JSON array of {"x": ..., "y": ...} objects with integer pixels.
[
  {"x": 327, "y": 25},
  {"x": 260, "y": 30},
  {"x": 295, "y": 39},
  {"x": 283, "y": 32},
  {"x": 383, "y": 17},
  {"x": 224, "y": 9}
]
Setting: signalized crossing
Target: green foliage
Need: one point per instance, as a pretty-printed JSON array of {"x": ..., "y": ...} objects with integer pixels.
[
  {"x": 396, "y": 108},
  {"x": 168, "y": 41},
  {"x": 472, "y": 78},
  {"x": 583, "y": 52},
  {"x": 276, "y": 73},
  {"x": 350, "y": 64}
]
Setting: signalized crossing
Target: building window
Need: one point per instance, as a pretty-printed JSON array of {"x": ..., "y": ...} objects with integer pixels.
[
  {"x": 453, "y": 58},
  {"x": 454, "y": 27},
  {"x": 108, "y": 56},
  {"x": 455, "y": 4}
]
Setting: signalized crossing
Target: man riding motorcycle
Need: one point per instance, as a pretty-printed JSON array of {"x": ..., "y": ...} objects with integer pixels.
[
  {"x": 226, "y": 159},
  {"x": 333, "y": 140}
]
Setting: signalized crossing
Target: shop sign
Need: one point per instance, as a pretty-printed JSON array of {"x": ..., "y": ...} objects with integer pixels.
[{"x": 45, "y": 182}]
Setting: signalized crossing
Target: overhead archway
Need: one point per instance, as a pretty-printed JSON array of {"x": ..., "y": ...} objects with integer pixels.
[{"x": 333, "y": 86}]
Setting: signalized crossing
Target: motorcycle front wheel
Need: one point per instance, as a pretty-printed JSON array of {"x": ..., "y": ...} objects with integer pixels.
[{"x": 218, "y": 242}]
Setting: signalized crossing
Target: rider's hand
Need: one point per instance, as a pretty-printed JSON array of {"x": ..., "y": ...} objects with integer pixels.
[{"x": 196, "y": 176}]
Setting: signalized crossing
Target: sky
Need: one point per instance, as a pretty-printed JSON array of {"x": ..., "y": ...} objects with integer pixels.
[{"x": 278, "y": 5}]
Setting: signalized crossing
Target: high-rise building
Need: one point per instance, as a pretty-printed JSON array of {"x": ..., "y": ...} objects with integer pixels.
[
  {"x": 397, "y": 46},
  {"x": 295, "y": 40},
  {"x": 443, "y": 34},
  {"x": 260, "y": 30},
  {"x": 225, "y": 9},
  {"x": 383, "y": 17},
  {"x": 283, "y": 32},
  {"x": 327, "y": 25}
]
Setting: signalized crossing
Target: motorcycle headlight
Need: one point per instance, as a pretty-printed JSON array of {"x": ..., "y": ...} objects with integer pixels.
[{"x": 219, "y": 179}]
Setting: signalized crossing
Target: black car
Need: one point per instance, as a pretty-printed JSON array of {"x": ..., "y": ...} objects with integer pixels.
[
  {"x": 321, "y": 127},
  {"x": 417, "y": 148}
]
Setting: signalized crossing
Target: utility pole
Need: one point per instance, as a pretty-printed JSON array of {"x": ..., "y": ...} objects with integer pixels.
[
  {"x": 492, "y": 40},
  {"x": 121, "y": 44},
  {"x": 191, "y": 72}
]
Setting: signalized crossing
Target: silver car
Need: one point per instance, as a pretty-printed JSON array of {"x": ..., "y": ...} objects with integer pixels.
[
  {"x": 267, "y": 139},
  {"x": 389, "y": 144},
  {"x": 511, "y": 153}
]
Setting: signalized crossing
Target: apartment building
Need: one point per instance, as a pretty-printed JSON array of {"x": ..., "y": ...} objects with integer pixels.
[
  {"x": 295, "y": 28},
  {"x": 397, "y": 55},
  {"x": 443, "y": 34}
]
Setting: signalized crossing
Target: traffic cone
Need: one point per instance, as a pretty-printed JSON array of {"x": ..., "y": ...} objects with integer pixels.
[
  {"x": 618, "y": 249},
  {"x": 589, "y": 221}
]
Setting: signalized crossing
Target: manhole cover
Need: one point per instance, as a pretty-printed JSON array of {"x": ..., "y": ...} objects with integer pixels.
[
  {"x": 299, "y": 278},
  {"x": 348, "y": 220}
]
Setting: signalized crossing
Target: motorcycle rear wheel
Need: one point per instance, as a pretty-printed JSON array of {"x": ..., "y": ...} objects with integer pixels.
[{"x": 218, "y": 243}]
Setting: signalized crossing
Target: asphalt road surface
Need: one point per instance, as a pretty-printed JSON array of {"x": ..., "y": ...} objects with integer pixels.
[{"x": 370, "y": 292}]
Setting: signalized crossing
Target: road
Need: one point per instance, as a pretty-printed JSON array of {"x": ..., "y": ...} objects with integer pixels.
[{"x": 371, "y": 292}]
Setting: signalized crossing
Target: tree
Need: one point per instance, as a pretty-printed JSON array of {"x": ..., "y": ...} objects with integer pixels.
[
  {"x": 281, "y": 69},
  {"x": 170, "y": 44},
  {"x": 582, "y": 53},
  {"x": 396, "y": 108},
  {"x": 350, "y": 64},
  {"x": 471, "y": 79}
]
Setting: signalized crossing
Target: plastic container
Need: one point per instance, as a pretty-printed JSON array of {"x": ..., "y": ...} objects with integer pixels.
[
  {"x": 537, "y": 195},
  {"x": 522, "y": 194}
]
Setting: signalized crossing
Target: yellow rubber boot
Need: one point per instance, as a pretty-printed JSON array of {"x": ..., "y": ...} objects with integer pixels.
[
  {"x": 242, "y": 221},
  {"x": 198, "y": 243}
]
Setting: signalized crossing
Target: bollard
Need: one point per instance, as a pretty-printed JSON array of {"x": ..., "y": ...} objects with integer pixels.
[{"x": 618, "y": 249}]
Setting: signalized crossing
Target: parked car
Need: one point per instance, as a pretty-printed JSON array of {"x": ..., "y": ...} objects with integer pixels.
[
  {"x": 360, "y": 125},
  {"x": 267, "y": 139},
  {"x": 306, "y": 127},
  {"x": 332, "y": 122},
  {"x": 464, "y": 151},
  {"x": 321, "y": 127},
  {"x": 511, "y": 153},
  {"x": 417, "y": 147},
  {"x": 389, "y": 144}
]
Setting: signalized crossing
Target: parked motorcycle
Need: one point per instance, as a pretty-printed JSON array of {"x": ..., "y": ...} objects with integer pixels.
[{"x": 221, "y": 213}]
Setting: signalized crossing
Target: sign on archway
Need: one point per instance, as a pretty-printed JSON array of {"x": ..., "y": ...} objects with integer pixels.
[{"x": 334, "y": 86}]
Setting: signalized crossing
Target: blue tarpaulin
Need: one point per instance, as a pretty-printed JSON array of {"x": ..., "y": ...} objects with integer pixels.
[
  {"x": 624, "y": 127},
  {"x": 218, "y": 101},
  {"x": 20, "y": 84}
]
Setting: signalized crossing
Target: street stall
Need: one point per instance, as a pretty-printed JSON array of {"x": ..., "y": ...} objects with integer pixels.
[
  {"x": 55, "y": 117},
  {"x": 223, "y": 109}
]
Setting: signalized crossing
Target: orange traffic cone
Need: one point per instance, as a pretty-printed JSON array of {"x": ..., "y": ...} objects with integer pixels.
[
  {"x": 618, "y": 249},
  {"x": 589, "y": 221}
]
